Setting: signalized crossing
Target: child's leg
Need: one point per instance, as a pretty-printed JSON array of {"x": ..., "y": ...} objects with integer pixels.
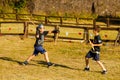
[
  {"x": 87, "y": 62},
  {"x": 30, "y": 57},
  {"x": 101, "y": 65},
  {"x": 88, "y": 55},
  {"x": 46, "y": 57}
]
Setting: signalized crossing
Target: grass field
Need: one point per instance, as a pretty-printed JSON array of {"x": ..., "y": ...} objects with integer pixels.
[{"x": 68, "y": 57}]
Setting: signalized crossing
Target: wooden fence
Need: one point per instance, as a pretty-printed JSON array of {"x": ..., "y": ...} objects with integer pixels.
[{"x": 59, "y": 21}]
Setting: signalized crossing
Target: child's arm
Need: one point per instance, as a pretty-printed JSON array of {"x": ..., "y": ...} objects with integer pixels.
[
  {"x": 54, "y": 31},
  {"x": 97, "y": 44},
  {"x": 92, "y": 45},
  {"x": 37, "y": 34}
]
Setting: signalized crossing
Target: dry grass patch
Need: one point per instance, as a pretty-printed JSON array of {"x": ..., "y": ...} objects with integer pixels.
[{"x": 69, "y": 59}]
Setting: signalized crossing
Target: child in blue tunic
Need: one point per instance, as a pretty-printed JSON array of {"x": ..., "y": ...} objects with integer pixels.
[{"x": 38, "y": 46}]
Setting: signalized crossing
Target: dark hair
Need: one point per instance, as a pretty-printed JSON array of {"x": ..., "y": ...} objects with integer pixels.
[{"x": 97, "y": 28}]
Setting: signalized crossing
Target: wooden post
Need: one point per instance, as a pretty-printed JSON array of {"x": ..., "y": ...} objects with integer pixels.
[
  {"x": 108, "y": 22},
  {"x": 117, "y": 38},
  {"x": 17, "y": 17},
  {"x": 77, "y": 20},
  {"x": 94, "y": 22},
  {"x": 3, "y": 15},
  {"x": 86, "y": 35},
  {"x": 0, "y": 29},
  {"x": 61, "y": 22},
  {"x": 16, "y": 12},
  {"x": 25, "y": 29},
  {"x": 46, "y": 20},
  {"x": 56, "y": 34}
]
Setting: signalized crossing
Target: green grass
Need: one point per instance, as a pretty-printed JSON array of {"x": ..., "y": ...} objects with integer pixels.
[{"x": 69, "y": 58}]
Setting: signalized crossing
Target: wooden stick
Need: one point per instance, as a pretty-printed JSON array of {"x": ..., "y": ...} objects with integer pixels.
[
  {"x": 56, "y": 35},
  {"x": 92, "y": 46}
]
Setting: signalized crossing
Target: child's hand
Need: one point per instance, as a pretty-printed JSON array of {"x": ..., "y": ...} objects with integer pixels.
[
  {"x": 91, "y": 44},
  {"x": 56, "y": 31},
  {"x": 37, "y": 36}
]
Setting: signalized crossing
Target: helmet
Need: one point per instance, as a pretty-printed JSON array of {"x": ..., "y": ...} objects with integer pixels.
[{"x": 40, "y": 26}]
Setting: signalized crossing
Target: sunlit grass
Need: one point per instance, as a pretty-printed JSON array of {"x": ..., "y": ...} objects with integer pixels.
[
  {"x": 12, "y": 28},
  {"x": 68, "y": 56}
]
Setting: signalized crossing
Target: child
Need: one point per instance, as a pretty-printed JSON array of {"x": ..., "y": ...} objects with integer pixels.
[
  {"x": 95, "y": 51},
  {"x": 38, "y": 46}
]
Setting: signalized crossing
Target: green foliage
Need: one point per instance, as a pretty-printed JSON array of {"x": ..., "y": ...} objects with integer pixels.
[
  {"x": 94, "y": 16},
  {"x": 18, "y": 4},
  {"x": 67, "y": 14},
  {"x": 53, "y": 13}
]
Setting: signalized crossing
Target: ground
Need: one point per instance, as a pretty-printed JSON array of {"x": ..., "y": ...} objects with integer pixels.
[{"x": 68, "y": 57}]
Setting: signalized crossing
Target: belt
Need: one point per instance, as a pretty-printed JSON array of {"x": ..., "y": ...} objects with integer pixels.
[{"x": 96, "y": 52}]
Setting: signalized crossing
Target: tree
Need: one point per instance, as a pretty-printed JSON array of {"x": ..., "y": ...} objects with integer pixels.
[
  {"x": 30, "y": 6},
  {"x": 17, "y": 4}
]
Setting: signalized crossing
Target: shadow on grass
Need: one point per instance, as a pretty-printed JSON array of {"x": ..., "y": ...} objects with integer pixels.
[
  {"x": 12, "y": 60},
  {"x": 55, "y": 65},
  {"x": 96, "y": 71}
]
